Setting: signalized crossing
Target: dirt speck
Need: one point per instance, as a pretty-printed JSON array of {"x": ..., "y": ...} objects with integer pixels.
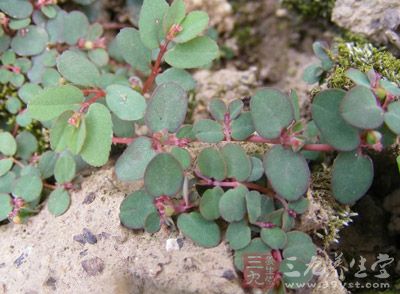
[{"x": 93, "y": 266}]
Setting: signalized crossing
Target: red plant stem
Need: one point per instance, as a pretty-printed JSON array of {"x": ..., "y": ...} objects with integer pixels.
[
  {"x": 309, "y": 147},
  {"x": 98, "y": 94},
  {"x": 19, "y": 163},
  {"x": 114, "y": 25},
  {"x": 49, "y": 186},
  {"x": 127, "y": 141},
  {"x": 318, "y": 147},
  {"x": 156, "y": 67},
  {"x": 252, "y": 186}
]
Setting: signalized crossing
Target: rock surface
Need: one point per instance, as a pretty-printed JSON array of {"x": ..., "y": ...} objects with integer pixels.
[
  {"x": 378, "y": 20},
  {"x": 44, "y": 255}
]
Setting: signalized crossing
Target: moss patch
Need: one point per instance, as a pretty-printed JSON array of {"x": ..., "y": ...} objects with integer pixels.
[
  {"x": 364, "y": 57},
  {"x": 313, "y": 9}
]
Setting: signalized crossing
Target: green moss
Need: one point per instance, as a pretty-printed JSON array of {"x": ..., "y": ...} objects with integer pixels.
[
  {"x": 8, "y": 120},
  {"x": 313, "y": 9},
  {"x": 335, "y": 216},
  {"x": 364, "y": 57}
]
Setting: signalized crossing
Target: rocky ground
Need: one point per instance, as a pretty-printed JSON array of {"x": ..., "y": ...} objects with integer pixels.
[{"x": 86, "y": 250}]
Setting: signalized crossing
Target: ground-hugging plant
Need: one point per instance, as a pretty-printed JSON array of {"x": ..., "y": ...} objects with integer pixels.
[
  {"x": 357, "y": 62},
  {"x": 61, "y": 65},
  {"x": 203, "y": 176}
]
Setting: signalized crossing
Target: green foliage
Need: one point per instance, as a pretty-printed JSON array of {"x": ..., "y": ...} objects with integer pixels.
[
  {"x": 212, "y": 164},
  {"x": 272, "y": 111},
  {"x": 59, "y": 77},
  {"x": 203, "y": 232},
  {"x": 238, "y": 164},
  {"x": 209, "y": 203},
  {"x": 125, "y": 103},
  {"x": 133, "y": 162},
  {"x": 135, "y": 209},
  {"x": 96, "y": 148},
  {"x": 59, "y": 202},
  {"x": 163, "y": 176},
  {"x": 359, "y": 108},
  {"x": 232, "y": 205},
  {"x": 52, "y": 102},
  {"x": 334, "y": 129},
  {"x": 352, "y": 176},
  {"x": 288, "y": 172},
  {"x": 167, "y": 108},
  {"x": 192, "y": 54},
  {"x": 238, "y": 235}
]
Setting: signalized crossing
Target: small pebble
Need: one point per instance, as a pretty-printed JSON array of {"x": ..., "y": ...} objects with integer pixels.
[
  {"x": 172, "y": 245},
  {"x": 89, "y": 198},
  {"x": 93, "y": 266},
  {"x": 89, "y": 236},
  {"x": 229, "y": 275},
  {"x": 51, "y": 282}
]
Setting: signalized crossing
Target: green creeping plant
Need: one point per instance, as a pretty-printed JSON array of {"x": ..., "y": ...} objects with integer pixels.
[{"x": 203, "y": 177}]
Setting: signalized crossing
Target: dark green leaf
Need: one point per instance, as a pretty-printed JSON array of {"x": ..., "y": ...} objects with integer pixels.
[
  {"x": 59, "y": 202},
  {"x": 299, "y": 245},
  {"x": 133, "y": 50},
  {"x": 65, "y": 169},
  {"x": 352, "y": 176},
  {"x": 150, "y": 22},
  {"x": 203, "y": 232},
  {"x": 358, "y": 77},
  {"x": 126, "y": 103},
  {"x": 209, "y": 203},
  {"x": 237, "y": 162},
  {"x": 133, "y": 162},
  {"x": 232, "y": 204},
  {"x": 135, "y": 208},
  {"x": 208, "y": 131},
  {"x": 5, "y": 206},
  {"x": 195, "y": 53},
  {"x": 287, "y": 171},
  {"x": 238, "y": 235},
  {"x": 179, "y": 76},
  {"x": 360, "y": 109},
  {"x": 163, "y": 176},
  {"x": 334, "y": 129},
  {"x": 275, "y": 238},
  {"x": 212, "y": 164},
  {"x": 28, "y": 188},
  {"x": 392, "y": 117},
  {"x": 256, "y": 246},
  {"x": 32, "y": 42},
  {"x": 167, "y": 108},
  {"x": 271, "y": 111},
  {"x": 243, "y": 126},
  {"x": 77, "y": 69}
]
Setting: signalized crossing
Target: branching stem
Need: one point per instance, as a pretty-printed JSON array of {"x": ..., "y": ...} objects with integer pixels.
[{"x": 156, "y": 67}]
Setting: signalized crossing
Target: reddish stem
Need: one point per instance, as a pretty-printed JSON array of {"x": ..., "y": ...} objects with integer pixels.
[
  {"x": 114, "y": 25},
  {"x": 127, "y": 141},
  {"x": 252, "y": 186},
  {"x": 49, "y": 186},
  {"x": 156, "y": 67},
  {"x": 309, "y": 147},
  {"x": 98, "y": 94}
]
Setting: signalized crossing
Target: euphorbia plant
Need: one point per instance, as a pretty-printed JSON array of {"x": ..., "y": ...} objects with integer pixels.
[{"x": 206, "y": 176}]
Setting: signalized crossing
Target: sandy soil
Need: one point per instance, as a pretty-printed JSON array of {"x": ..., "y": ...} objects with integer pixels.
[{"x": 87, "y": 251}]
